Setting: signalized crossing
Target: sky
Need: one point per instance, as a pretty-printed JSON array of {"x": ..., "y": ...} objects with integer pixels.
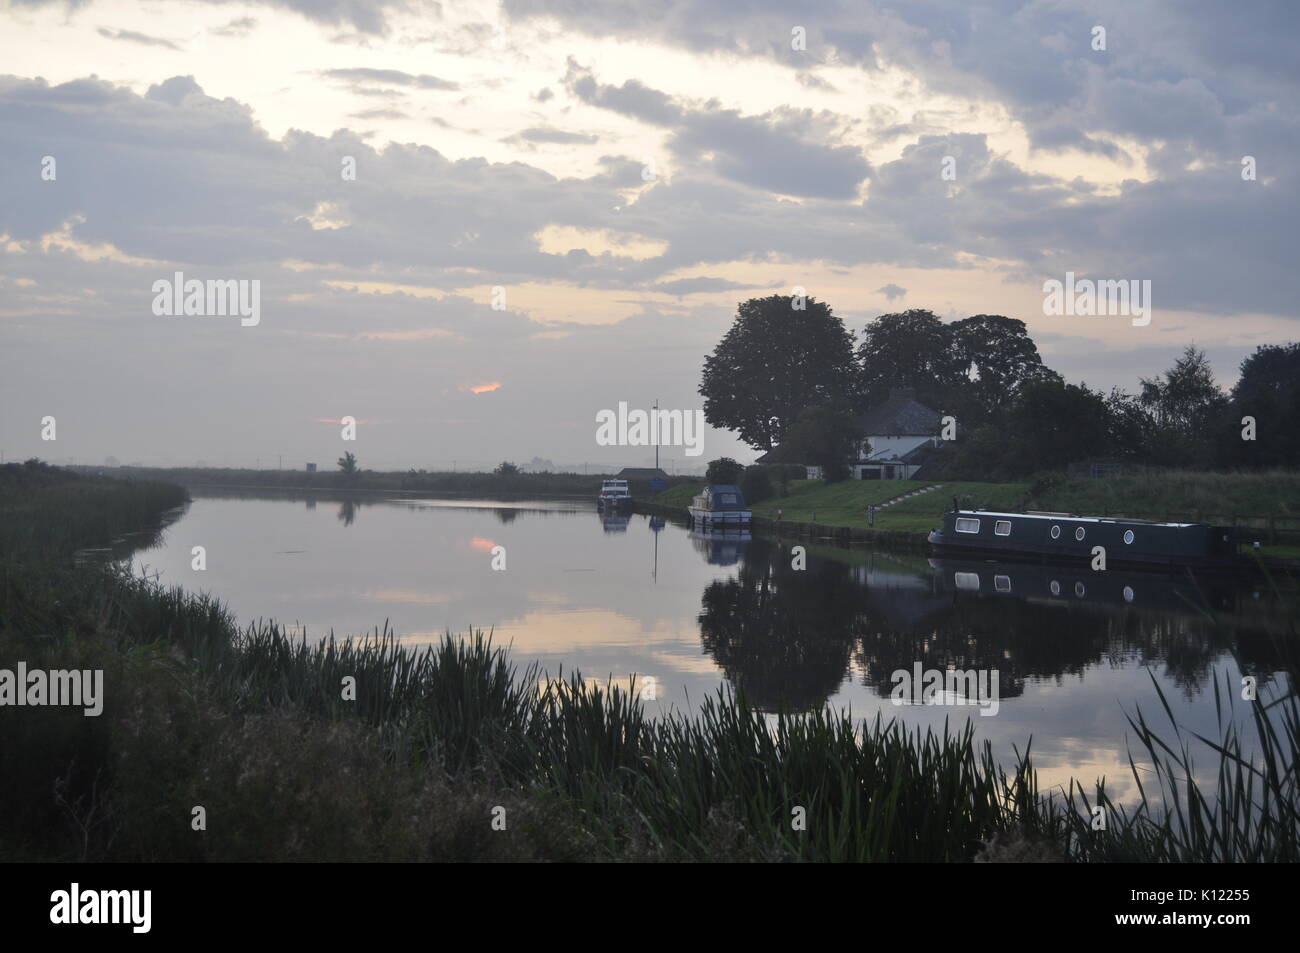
[{"x": 475, "y": 226}]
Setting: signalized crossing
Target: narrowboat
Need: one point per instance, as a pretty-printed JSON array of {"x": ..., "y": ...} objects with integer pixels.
[
  {"x": 719, "y": 505},
  {"x": 614, "y": 495},
  {"x": 1068, "y": 538}
]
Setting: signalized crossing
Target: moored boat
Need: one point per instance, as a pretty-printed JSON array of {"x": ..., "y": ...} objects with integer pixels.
[
  {"x": 1070, "y": 538},
  {"x": 721, "y": 504},
  {"x": 614, "y": 495}
]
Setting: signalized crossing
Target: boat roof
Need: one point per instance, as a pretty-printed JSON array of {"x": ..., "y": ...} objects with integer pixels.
[{"x": 1076, "y": 519}]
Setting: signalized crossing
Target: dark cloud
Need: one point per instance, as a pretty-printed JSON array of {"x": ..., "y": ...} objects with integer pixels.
[
  {"x": 131, "y": 36},
  {"x": 392, "y": 77},
  {"x": 546, "y": 134},
  {"x": 786, "y": 151}
]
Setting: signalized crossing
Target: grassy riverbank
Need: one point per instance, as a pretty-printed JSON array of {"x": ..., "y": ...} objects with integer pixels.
[
  {"x": 254, "y": 728},
  {"x": 394, "y": 481},
  {"x": 1251, "y": 500}
]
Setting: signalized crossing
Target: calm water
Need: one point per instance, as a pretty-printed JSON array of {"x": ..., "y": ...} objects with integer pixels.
[{"x": 613, "y": 597}]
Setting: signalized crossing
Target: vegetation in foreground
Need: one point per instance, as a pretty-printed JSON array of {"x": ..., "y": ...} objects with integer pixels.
[{"x": 252, "y": 726}]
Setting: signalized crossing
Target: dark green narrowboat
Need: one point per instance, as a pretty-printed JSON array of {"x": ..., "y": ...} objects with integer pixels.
[{"x": 1068, "y": 538}]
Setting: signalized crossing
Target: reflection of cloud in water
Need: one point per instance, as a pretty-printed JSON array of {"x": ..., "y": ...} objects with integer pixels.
[{"x": 415, "y": 597}]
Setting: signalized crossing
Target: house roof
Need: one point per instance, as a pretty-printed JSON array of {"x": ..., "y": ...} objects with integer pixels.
[
  {"x": 902, "y": 415},
  {"x": 641, "y": 473},
  {"x": 780, "y": 454}
]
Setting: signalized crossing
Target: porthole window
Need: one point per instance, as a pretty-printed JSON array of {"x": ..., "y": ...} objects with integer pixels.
[
  {"x": 1056, "y": 532},
  {"x": 1002, "y": 583},
  {"x": 1128, "y": 590},
  {"x": 1128, "y": 537},
  {"x": 1079, "y": 534},
  {"x": 1056, "y": 588},
  {"x": 1002, "y": 528},
  {"x": 1080, "y": 590}
]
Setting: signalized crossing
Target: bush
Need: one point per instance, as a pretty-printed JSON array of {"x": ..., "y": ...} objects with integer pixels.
[
  {"x": 724, "y": 470},
  {"x": 756, "y": 484}
]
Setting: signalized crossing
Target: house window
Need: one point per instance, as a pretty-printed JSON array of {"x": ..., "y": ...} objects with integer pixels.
[
  {"x": 1056, "y": 532},
  {"x": 1128, "y": 537},
  {"x": 1002, "y": 528},
  {"x": 1079, "y": 534},
  {"x": 1002, "y": 583},
  {"x": 965, "y": 525}
]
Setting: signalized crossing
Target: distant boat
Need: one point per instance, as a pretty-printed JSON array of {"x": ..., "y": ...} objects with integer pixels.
[
  {"x": 719, "y": 505},
  {"x": 1069, "y": 538},
  {"x": 614, "y": 495}
]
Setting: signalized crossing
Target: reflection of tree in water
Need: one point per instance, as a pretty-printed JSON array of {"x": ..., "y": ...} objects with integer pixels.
[
  {"x": 781, "y": 636},
  {"x": 1052, "y": 639},
  {"x": 506, "y": 514},
  {"x": 348, "y": 511}
]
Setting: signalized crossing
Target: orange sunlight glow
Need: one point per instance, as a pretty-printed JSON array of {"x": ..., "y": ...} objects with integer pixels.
[{"x": 484, "y": 388}]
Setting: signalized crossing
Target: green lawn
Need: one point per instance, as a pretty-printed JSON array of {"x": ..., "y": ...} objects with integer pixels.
[{"x": 1204, "y": 497}]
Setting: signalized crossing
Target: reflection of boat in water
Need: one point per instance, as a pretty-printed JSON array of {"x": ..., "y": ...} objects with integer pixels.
[
  {"x": 721, "y": 546},
  {"x": 1062, "y": 585},
  {"x": 1062, "y": 537},
  {"x": 614, "y": 496},
  {"x": 721, "y": 504},
  {"x": 615, "y": 521}
]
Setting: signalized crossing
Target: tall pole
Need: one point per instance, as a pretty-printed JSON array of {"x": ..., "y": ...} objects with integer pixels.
[{"x": 656, "y": 435}]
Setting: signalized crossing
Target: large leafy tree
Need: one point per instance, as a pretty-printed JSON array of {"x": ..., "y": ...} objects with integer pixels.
[
  {"x": 998, "y": 357},
  {"x": 775, "y": 361},
  {"x": 910, "y": 349}
]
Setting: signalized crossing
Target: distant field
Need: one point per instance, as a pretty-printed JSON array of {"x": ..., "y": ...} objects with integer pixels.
[{"x": 1201, "y": 496}]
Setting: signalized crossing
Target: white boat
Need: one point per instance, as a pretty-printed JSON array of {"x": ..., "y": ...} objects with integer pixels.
[
  {"x": 614, "y": 495},
  {"x": 719, "y": 505}
]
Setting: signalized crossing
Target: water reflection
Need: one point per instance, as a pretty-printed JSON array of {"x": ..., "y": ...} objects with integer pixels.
[
  {"x": 787, "y": 637},
  {"x": 613, "y": 595}
]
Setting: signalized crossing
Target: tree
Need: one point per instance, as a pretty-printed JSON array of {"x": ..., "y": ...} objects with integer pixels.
[
  {"x": 1184, "y": 404},
  {"x": 1269, "y": 391},
  {"x": 909, "y": 349},
  {"x": 997, "y": 357},
  {"x": 828, "y": 437},
  {"x": 774, "y": 361},
  {"x": 723, "y": 470},
  {"x": 348, "y": 465},
  {"x": 1052, "y": 424},
  {"x": 506, "y": 468}
]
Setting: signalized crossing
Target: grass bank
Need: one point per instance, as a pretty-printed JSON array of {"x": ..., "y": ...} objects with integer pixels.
[
  {"x": 263, "y": 733},
  {"x": 1266, "y": 505}
]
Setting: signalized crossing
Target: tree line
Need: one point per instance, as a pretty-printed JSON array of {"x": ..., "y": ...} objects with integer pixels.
[{"x": 788, "y": 373}]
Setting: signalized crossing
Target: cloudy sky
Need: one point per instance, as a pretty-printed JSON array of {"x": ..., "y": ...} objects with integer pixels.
[{"x": 625, "y": 172}]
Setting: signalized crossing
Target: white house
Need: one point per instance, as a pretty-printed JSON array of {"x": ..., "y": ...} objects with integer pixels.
[{"x": 900, "y": 434}]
